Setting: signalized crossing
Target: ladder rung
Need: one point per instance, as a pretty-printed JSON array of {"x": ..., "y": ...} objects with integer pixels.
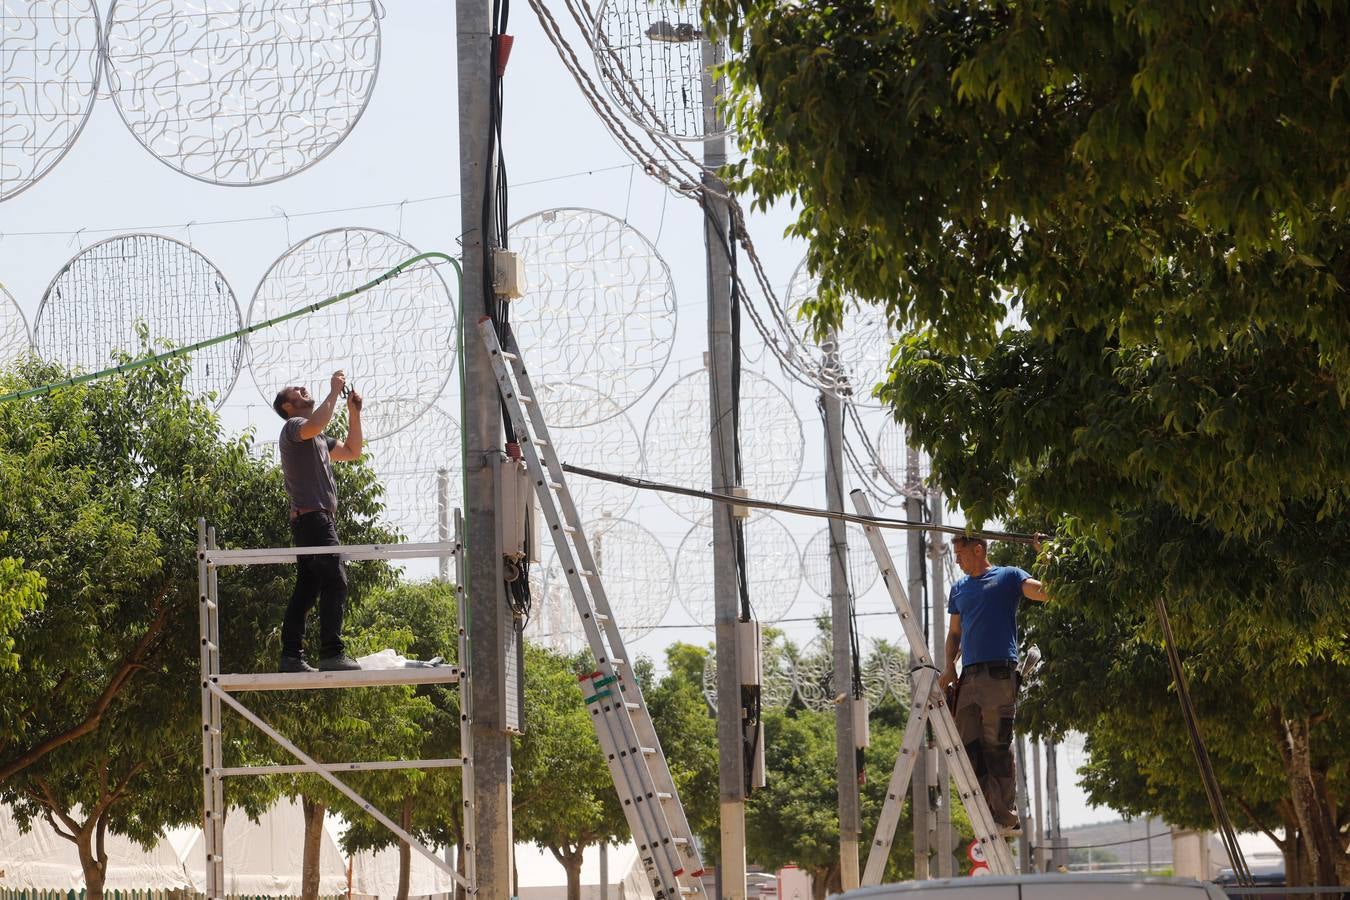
[
  {"x": 528, "y": 401},
  {"x": 600, "y": 617},
  {"x": 632, "y": 704},
  {"x": 509, "y": 357},
  {"x": 648, "y": 751},
  {"x": 663, "y": 795},
  {"x": 555, "y": 485}
]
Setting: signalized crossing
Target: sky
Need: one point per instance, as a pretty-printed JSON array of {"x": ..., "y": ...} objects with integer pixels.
[{"x": 397, "y": 172}]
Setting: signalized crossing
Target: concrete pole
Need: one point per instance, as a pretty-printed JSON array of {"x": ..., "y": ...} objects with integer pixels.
[
  {"x": 850, "y": 824},
  {"x": 482, "y": 449},
  {"x": 1025, "y": 862},
  {"x": 920, "y": 807},
  {"x": 726, "y": 590},
  {"x": 1058, "y": 856},
  {"x": 1040, "y": 819},
  {"x": 945, "y": 845}
]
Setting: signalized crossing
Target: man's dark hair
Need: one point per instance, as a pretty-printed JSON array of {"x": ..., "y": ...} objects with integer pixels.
[
  {"x": 971, "y": 539},
  {"x": 279, "y": 404}
]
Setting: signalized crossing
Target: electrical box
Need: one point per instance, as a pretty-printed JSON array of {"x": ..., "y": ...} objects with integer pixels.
[
  {"x": 862, "y": 733},
  {"x": 513, "y": 674},
  {"x": 508, "y": 274},
  {"x": 748, "y": 652},
  {"x": 516, "y": 514},
  {"x": 758, "y": 773},
  {"x": 738, "y": 511}
]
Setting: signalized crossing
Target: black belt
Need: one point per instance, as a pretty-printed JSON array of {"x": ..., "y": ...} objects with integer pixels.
[{"x": 992, "y": 664}]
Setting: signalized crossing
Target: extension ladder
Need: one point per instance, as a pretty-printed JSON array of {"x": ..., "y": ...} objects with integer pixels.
[
  {"x": 620, "y": 715},
  {"x": 927, "y": 705}
]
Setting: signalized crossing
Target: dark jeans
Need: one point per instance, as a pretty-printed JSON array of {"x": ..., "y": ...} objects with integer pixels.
[{"x": 321, "y": 577}]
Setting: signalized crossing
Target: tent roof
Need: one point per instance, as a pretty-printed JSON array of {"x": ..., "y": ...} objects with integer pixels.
[{"x": 43, "y": 859}]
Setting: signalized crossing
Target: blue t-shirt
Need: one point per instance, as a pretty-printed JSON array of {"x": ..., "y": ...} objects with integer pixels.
[{"x": 987, "y": 605}]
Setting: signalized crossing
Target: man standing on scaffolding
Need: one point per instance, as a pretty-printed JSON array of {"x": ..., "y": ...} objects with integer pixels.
[
  {"x": 982, "y": 632},
  {"x": 306, "y": 455}
]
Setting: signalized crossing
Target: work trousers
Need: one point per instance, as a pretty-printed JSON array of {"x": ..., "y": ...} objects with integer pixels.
[
  {"x": 985, "y": 708},
  {"x": 322, "y": 578}
]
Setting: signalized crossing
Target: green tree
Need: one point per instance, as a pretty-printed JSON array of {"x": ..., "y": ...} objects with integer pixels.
[
  {"x": 1154, "y": 194},
  {"x": 419, "y": 620},
  {"x": 688, "y": 733},
  {"x": 560, "y": 747}
]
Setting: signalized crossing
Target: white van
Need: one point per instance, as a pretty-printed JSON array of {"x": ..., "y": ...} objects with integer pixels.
[{"x": 1067, "y": 886}]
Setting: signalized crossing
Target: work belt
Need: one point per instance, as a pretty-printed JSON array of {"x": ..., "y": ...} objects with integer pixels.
[{"x": 991, "y": 666}]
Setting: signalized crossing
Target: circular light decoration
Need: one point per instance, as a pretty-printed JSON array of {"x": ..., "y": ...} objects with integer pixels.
[
  {"x": 892, "y": 458},
  {"x": 655, "y": 62},
  {"x": 857, "y": 359},
  {"x": 885, "y": 671},
  {"x": 862, "y": 564},
  {"x": 49, "y": 73},
  {"x": 775, "y": 686},
  {"x": 676, "y": 443},
  {"x": 14, "y": 339},
  {"x": 239, "y": 92},
  {"x": 409, "y": 462},
  {"x": 94, "y": 305},
  {"x": 598, "y": 314},
  {"x": 813, "y": 676},
  {"x": 554, "y": 620},
  {"x": 775, "y": 575},
  {"x": 396, "y": 341},
  {"x": 635, "y": 571},
  {"x": 611, "y": 445}
]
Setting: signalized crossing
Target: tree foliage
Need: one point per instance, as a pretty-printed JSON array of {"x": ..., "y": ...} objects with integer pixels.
[{"x": 1117, "y": 234}]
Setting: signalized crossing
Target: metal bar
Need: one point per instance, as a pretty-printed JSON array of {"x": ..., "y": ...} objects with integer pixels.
[
  {"x": 937, "y": 556},
  {"x": 209, "y": 812},
  {"x": 914, "y": 545},
  {"x": 303, "y": 681},
  {"x": 216, "y": 733},
  {"x": 342, "y": 767},
  {"x": 466, "y": 774},
  {"x": 278, "y": 555},
  {"x": 317, "y": 768}
]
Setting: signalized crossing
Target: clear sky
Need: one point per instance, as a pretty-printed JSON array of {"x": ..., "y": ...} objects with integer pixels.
[{"x": 398, "y": 171}]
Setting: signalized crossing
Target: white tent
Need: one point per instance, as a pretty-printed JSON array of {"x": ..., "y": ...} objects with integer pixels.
[
  {"x": 266, "y": 857},
  {"x": 375, "y": 874},
  {"x": 541, "y": 877},
  {"x": 42, "y": 859}
]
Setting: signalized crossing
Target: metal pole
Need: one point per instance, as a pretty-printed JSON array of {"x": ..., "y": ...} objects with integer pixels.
[
  {"x": 936, "y": 554},
  {"x": 730, "y": 734},
  {"x": 482, "y": 445},
  {"x": 919, "y": 806},
  {"x": 443, "y": 518},
  {"x": 841, "y": 621},
  {"x": 604, "y": 869},
  {"x": 1025, "y": 862}
]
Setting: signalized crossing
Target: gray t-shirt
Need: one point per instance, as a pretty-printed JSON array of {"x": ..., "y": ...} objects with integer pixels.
[{"x": 307, "y": 469}]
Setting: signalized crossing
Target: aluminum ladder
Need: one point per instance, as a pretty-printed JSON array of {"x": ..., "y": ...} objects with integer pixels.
[
  {"x": 926, "y": 705},
  {"x": 620, "y": 715}
]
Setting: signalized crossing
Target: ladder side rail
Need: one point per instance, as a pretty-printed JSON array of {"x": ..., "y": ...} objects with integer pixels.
[
  {"x": 996, "y": 849},
  {"x": 466, "y": 773},
  {"x": 214, "y": 888},
  {"x": 316, "y": 768},
  {"x": 218, "y": 732},
  {"x": 918, "y": 645},
  {"x": 376, "y": 766},
  {"x": 898, "y": 787},
  {"x": 645, "y": 729}
]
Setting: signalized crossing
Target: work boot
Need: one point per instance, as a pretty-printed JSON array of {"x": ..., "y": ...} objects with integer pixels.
[
  {"x": 1010, "y": 829},
  {"x": 294, "y": 664},
  {"x": 340, "y": 663}
]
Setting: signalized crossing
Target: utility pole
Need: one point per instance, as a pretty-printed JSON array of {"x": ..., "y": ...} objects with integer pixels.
[
  {"x": 717, "y": 236},
  {"x": 841, "y": 622},
  {"x": 919, "y": 805},
  {"x": 488, "y": 619},
  {"x": 943, "y": 793},
  {"x": 1040, "y": 817},
  {"x": 1058, "y": 856},
  {"x": 1024, "y": 860}
]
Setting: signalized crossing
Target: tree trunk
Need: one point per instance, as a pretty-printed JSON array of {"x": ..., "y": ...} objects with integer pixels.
[
  {"x": 1307, "y": 791},
  {"x": 825, "y": 880},
  {"x": 95, "y": 868},
  {"x": 404, "y": 850},
  {"x": 572, "y": 864},
  {"x": 309, "y": 877}
]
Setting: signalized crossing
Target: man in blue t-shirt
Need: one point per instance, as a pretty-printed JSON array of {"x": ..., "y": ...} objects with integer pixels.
[
  {"x": 982, "y": 632},
  {"x": 307, "y": 456}
]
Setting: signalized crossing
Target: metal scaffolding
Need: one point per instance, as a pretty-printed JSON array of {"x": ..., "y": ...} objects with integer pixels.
[{"x": 218, "y": 689}]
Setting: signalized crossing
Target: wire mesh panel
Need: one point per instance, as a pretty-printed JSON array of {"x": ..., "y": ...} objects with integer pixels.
[
  {"x": 408, "y": 462},
  {"x": 855, "y": 362},
  {"x": 598, "y": 315},
  {"x": 635, "y": 571},
  {"x": 676, "y": 443},
  {"x": 49, "y": 73},
  {"x": 654, "y": 60},
  {"x": 396, "y": 341},
  {"x": 14, "y": 338},
  {"x": 93, "y": 308},
  {"x": 774, "y": 570},
  {"x": 242, "y": 92},
  {"x": 775, "y": 688},
  {"x": 813, "y": 674},
  {"x": 554, "y": 620},
  {"x": 862, "y": 565},
  {"x": 610, "y": 445}
]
